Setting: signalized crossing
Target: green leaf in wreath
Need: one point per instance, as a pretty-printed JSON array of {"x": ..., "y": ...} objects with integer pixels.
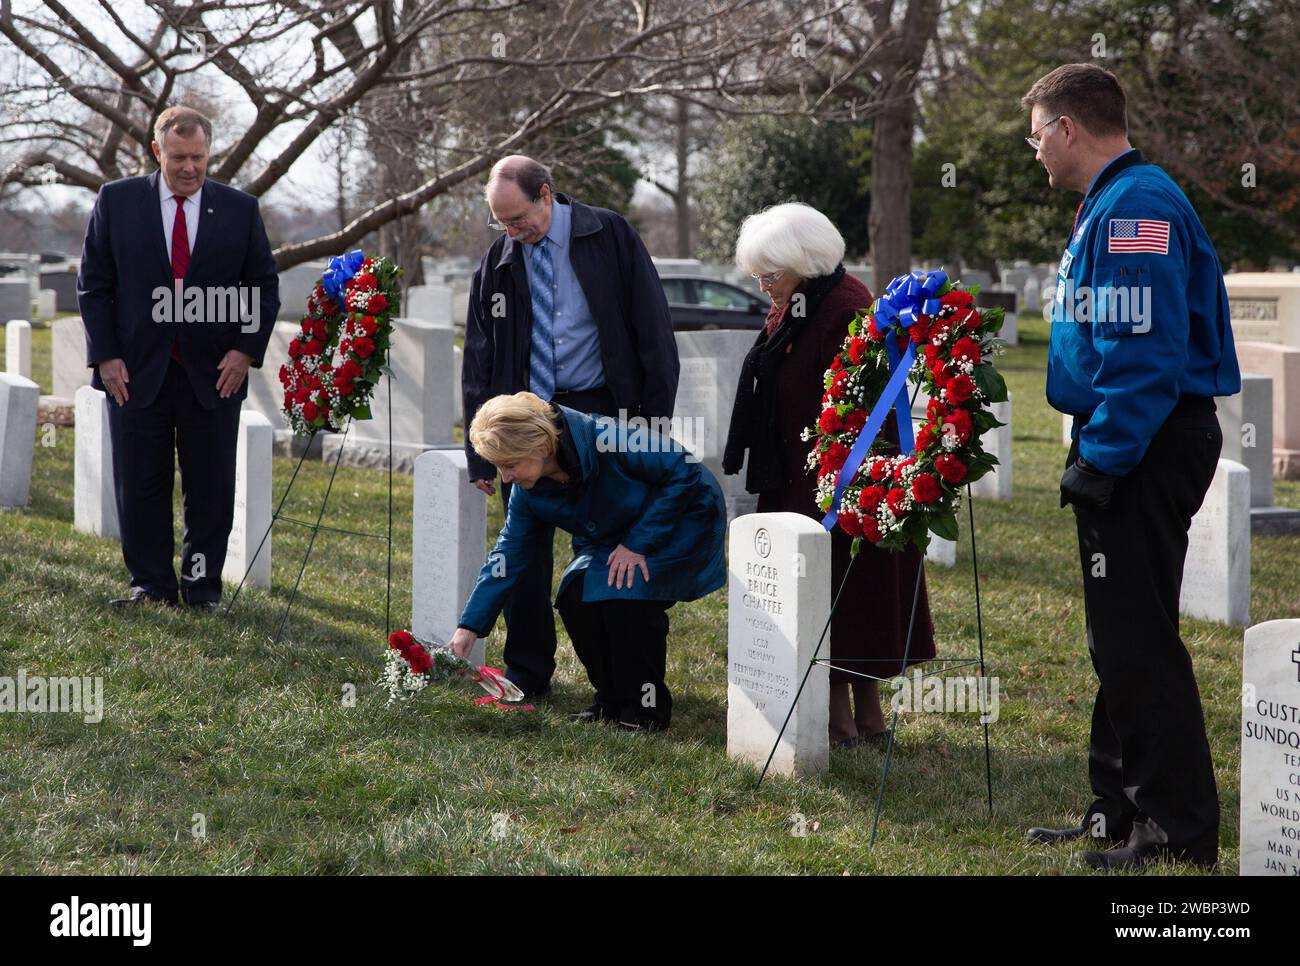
[
  {"x": 362, "y": 412},
  {"x": 990, "y": 382},
  {"x": 944, "y": 525}
]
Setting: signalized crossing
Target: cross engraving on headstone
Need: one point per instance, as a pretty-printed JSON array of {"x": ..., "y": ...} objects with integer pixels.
[{"x": 1295, "y": 659}]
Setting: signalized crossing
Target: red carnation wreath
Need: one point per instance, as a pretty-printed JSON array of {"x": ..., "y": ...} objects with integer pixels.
[
  {"x": 899, "y": 499},
  {"x": 338, "y": 357}
]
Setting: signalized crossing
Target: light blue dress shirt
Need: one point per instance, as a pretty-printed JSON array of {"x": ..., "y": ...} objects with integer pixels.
[{"x": 577, "y": 340}]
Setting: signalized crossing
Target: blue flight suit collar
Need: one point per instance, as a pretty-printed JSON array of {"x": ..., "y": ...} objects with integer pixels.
[{"x": 1125, "y": 159}]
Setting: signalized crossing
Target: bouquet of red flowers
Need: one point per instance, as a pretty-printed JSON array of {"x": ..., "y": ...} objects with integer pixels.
[
  {"x": 338, "y": 357},
  {"x": 412, "y": 665},
  {"x": 894, "y": 498}
]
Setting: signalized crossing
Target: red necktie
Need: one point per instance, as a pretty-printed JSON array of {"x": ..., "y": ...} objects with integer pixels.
[{"x": 180, "y": 259}]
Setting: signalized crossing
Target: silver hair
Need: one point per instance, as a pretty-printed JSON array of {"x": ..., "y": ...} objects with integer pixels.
[{"x": 792, "y": 237}]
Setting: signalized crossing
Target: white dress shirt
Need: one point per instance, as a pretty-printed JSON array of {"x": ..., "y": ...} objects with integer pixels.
[{"x": 169, "y": 214}]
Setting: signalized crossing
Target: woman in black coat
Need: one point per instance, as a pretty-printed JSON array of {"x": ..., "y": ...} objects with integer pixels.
[{"x": 795, "y": 252}]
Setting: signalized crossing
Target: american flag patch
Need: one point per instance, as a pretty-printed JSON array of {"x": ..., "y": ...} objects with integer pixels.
[{"x": 1138, "y": 235}]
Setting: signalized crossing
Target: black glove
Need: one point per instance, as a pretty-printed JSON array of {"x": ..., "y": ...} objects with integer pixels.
[{"x": 1085, "y": 485}]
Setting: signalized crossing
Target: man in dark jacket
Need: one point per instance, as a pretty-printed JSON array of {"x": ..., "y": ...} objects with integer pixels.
[
  {"x": 568, "y": 305},
  {"x": 162, "y": 250}
]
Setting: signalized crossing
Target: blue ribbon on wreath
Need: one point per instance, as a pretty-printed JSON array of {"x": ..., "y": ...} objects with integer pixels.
[
  {"x": 339, "y": 272},
  {"x": 906, "y": 299}
]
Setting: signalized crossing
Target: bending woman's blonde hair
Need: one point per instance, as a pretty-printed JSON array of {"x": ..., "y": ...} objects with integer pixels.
[{"x": 507, "y": 429}]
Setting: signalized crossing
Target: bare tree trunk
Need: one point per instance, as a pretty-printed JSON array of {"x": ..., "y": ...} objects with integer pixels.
[
  {"x": 889, "y": 224},
  {"x": 890, "y": 221}
]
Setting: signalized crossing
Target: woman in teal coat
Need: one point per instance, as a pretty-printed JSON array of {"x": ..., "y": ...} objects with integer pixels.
[{"x": 647, "y": 521}]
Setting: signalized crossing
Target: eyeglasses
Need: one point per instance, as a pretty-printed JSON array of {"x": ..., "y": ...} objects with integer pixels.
[
  {"x": 509, "y": 223},
  {"x": 768, "y": 280},
  {"x": 521, "y": 220},
  {"x": 1033, "y": 140}
]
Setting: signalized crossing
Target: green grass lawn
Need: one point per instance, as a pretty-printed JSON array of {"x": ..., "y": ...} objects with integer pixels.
[{"x": 207, "y": 722}]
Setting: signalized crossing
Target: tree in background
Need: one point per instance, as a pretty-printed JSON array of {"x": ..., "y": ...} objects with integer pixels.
[
  {"x": 980, "y": 198},
  {"x": 440, "y": 88},
  {"x": 1214, "y": 97},
  {"x": 764, "y": 161}
]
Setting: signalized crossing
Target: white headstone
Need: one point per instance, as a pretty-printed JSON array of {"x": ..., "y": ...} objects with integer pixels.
[
  {"x": 94, "y": 506},
  {"x": 1031, "y": 295},
  {"x": 265, "y": 391},
  {"x": 68, "y": 348},
  {"x": 941, "y": 552},
  {"x": 1067, "y": 424},
  {"x": 1216, "y": 575},
  {"x": 15, "y": 297},
  {"x": 18, "y": 348},
  {"x": 46, "y": 303},
  {"x": 19, "y": 398},
  {"x": 252, "y": 504},
  {"x": 778, "y": 600},
  {"x": 706, "y": 392},
  {"x": 1264, "y": 306},
  {"x": 1281, "y": 364},
  {"x": 1010, "y": 331},
  {"x": 431, "y": 303},
  {"x": 448, "y": 545},
  {"x": 1247, "y": 423},
  {"x": 296, "y": 284},
  {"x": 996, "y": 484},
  {"x": 1270, "y": 749},
  {"x": 421, "y": 358}
]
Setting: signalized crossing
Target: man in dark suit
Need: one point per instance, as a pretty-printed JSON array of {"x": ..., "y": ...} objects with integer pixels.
[
  {"x": 568, "y": 305},
  {"x": 178, "y": 293}
]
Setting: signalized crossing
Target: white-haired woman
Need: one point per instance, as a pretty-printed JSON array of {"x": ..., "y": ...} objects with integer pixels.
[{"x": 795, "y": 252}]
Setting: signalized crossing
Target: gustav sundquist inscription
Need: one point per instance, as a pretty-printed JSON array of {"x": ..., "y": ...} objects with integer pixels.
[{"x": 1270, "y": 750}]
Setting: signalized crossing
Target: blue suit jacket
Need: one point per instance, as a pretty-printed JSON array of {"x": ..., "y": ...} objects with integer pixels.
[
  {"x": 640, "y": 492},
  {"x": 125, "y": 261}
]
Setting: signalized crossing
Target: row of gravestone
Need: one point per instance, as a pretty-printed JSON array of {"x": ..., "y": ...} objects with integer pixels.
[{"x": 710, "y": 368}]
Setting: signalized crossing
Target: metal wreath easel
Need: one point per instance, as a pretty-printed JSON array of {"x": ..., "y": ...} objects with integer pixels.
[
  {"x": 949, "y": 664},
  {"x": 318, "y": 526}
]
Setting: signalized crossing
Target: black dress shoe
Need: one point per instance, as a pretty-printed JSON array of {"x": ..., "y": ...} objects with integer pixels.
[
  {"x": 1146, "y": 844},
  {"x": 138, "y": 596},
  {"x": 204, "y": 606}
]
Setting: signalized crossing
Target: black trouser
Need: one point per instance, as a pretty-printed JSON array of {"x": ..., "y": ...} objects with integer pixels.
[
  {"x": 1149, "y": 758},
  {"x": 144, "y": 442},
  {"x": 623, "y": 644},
  {"x": 530, "y": 625}
]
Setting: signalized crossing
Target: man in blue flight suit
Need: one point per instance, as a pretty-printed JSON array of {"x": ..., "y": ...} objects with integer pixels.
[{"x": 1140, "y": 345}]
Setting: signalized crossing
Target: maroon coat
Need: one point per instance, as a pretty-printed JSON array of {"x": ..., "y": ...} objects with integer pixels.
[{"x": 869, "y": 631}]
